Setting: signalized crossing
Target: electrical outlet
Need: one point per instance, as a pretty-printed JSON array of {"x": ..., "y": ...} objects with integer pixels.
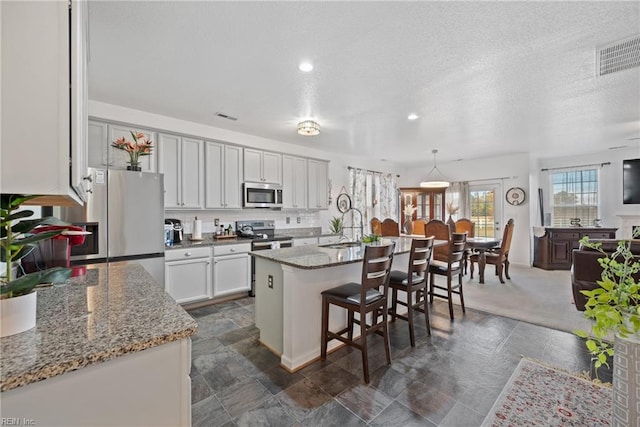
[
  {"x": 298, "y": 220},
  {"x": 270, "y": 282},
  {"x": 216, "y": 222},
  {"x": 288, "y": 219}
]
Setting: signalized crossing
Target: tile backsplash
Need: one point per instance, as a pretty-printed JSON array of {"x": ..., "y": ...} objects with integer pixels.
[{"x": 226, "y": 218}]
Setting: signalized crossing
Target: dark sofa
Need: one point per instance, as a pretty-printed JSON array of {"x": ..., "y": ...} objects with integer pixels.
[{"x": 586, "y": 270}]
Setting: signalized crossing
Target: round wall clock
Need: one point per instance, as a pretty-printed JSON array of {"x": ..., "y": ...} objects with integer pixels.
[
  {"x": 515, "y": 196},
  {"x": 344, "y": 202}
]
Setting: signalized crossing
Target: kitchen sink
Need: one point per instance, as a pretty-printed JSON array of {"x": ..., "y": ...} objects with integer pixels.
[{"x": 342, "y": 245}]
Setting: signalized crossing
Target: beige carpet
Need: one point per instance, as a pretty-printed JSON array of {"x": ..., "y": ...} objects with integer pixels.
[{"x": 532, "y": 295}]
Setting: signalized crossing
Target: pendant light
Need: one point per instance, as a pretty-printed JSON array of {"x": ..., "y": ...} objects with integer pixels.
[{"x": 435, "y": 179}]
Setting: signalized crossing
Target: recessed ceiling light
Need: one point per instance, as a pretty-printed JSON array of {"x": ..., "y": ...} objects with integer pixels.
[
  {"x": 306, "y": 67},
  {"x": 412, "y": 116}
]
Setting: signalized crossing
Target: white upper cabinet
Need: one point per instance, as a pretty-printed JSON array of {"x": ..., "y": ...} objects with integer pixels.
[
  {"x": 262, "y": 166},
  {"x": 44, "y": 124},
  {"x": 294, "y": 182},
  {"x": 223, "y": 176},
  {"x": 318, "y": 184},
  {"x": 97, "y": 142},
  {"x": 183, "y": 169}
]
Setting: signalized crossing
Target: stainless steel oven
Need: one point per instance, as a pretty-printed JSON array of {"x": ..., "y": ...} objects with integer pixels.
[{"x": 263, "y": 237}]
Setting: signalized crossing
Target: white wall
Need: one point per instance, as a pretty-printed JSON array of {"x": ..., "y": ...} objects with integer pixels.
[{"x": 338, "y": 172}]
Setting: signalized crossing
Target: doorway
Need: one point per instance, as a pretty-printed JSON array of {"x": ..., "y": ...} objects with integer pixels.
[{"x": 486, "y": 209}]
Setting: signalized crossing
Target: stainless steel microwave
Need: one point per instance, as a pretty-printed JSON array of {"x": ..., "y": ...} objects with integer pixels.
[{"x": 258, "y": 195}]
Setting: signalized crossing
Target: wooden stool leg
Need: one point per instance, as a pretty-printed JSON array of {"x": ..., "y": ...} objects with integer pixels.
[
  {"x": 385, "y": 331},
  {"x": 506, "y": 269},
  {"x": 461, "y": 295},
  {"x": 394, "y": 304},
  {"x": 430, "y": 289},
  {"x": 350, "y": 324},
  {"x": 325, "y": 328},
  {"x": 449, "y": 296},
  {"x": 410, "y": 316},
  {"x": 363, "y": 343}
]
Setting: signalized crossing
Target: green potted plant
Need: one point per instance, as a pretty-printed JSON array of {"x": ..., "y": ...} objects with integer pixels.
[
  {"x": 17, "y": 296},
  {"x": 614, "y": 307},
  {"x": 335, "y": 225}
]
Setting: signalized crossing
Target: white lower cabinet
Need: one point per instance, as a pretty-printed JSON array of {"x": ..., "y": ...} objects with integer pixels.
[
  {"x": 231, "y": 269},
  {"x": 187, "y": 274}
]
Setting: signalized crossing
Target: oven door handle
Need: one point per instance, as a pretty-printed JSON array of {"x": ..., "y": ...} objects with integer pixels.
[{"x": 262, "y": 245}]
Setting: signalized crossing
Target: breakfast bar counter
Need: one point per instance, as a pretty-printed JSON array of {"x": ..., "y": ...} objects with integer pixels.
[
  {"x": 288, "y": 285},
  {"x": 110, "y": 347}
]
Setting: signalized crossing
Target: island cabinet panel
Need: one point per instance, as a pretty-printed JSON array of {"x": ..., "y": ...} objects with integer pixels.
[
  {"x": 554, "y": 250},
  {"x": 144, "y": 388}
]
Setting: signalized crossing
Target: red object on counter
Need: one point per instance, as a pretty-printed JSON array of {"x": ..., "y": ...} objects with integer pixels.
[{"x": 73, "y": 240}]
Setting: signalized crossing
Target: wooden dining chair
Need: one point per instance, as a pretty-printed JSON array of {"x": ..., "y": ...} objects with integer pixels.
[
  {"x": 418, "y": 226},
  {"x": 500, "y": 256},
  {"x": 413, "y": 280},
  {"x": 450, "y": 266},
  {"x": 389, "y": 227},
  {"x": 376, "y": 226},
  {"x": 465, "y": 225},
  {"x": 368, "y": 296}
]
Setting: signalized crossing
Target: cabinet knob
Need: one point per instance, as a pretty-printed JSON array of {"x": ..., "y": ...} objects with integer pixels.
[
  {"x": 89, "y": 190},
  {"x": 233, "y": 250},
  {"x": 187, "y": 254},
  {"x": 88, "y": 178}
]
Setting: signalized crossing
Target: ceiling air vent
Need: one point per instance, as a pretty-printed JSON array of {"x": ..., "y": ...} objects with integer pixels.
[
  {"x": 224, "y": 116},
  {"x": 618, "y": 56}
]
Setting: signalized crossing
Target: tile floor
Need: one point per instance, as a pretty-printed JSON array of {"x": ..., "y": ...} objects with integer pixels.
[{"x": 450, "y": 378}]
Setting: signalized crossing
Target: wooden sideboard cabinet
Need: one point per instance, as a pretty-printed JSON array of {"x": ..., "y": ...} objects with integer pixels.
[{"x": 553, "y": 251}]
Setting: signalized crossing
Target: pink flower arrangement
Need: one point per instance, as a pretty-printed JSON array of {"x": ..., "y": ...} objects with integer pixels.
[{"x": 139, "y": 147}]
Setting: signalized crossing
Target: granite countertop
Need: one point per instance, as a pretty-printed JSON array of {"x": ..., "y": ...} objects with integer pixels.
[
  {"x": 208, "y": 239},
  {"x": 312, "y": 256},
  {"x": 112, "y": 311}
]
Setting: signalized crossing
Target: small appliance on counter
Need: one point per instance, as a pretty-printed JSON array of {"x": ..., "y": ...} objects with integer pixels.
[{"x": 177, "y": 229}]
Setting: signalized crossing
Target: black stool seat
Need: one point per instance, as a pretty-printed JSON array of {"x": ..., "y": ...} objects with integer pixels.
[{"x": 350, "y": 293}]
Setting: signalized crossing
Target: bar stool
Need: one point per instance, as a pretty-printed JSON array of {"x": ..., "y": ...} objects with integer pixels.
[
  {"x": 362, "y": 298},
  {"x": 399, "y": 281},
  {"x": 449, "y": 267}
]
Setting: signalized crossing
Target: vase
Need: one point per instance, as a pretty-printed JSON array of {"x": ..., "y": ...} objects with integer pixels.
[
  {"x": 408, "y": 225},
  {"x": 452, "y": 224},
  {"x": 134, "y": 167},
  {"x": 18, "y": 314}
]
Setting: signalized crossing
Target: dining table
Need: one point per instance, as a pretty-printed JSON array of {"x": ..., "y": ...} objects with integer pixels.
[{"x": 482, "y": 245}]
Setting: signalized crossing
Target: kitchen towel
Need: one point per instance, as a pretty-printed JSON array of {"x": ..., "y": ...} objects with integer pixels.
[{"x": 197, "y": 229}]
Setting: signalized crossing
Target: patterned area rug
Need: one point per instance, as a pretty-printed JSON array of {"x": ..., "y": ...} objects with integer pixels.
[{"x": 537, "y": 395}]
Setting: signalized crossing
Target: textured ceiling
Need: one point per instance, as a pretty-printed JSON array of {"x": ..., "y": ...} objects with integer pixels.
[{"x": 485, "y": 78}]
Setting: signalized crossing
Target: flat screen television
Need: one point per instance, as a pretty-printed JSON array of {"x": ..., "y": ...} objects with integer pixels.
[{"x": 631, "y": 182}]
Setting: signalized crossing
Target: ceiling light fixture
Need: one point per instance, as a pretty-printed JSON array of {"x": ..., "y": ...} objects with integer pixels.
[
  {"x": 308, "y": 128},
  {"x": 306, "y": 67},
  {"x": 412, "y": 116},
  {"x": 435, "y": 179}
]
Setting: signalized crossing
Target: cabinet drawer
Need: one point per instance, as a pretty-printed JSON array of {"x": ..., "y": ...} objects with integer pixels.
[
  {"x": 181, "y": 254},
  {"x": 598, "y": 235},
  {"x": 231, "y": 249},
  {"x": 305, "y": 241},
  {"x": 565, "y": 235}
]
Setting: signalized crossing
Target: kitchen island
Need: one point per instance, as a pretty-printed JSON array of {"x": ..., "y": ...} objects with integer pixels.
[
  {"x": 110, "y": 348},
  {"x": 288, "y": 302}
]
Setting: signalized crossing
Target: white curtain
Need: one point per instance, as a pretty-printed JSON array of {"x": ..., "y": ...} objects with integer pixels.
[
  {"x": 374, "y": 194},
  {"x": 458, "y": 196}
]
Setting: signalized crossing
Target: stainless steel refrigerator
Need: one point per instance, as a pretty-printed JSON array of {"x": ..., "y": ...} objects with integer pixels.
[{"x": 125, "y": 209}]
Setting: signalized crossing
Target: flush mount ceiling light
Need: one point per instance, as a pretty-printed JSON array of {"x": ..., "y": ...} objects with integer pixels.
[
  {"x": 308, "y": 128},
  {"x": 435, "y": 179},
  {"x": 306, "y": 67}
]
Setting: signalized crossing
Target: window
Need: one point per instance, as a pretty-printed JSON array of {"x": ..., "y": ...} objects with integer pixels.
[{"x": 575, "y": 195}]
